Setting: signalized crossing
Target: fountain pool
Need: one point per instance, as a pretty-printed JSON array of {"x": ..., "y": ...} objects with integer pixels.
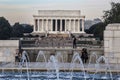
[
  {"x": 35, "y": 75},
  {"x": 53, "y": 69}
]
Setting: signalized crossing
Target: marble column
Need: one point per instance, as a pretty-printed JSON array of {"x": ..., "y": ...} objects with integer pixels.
[
  {"x": 46, "y": 24},
  {"x": 65, "y": 24},
  {"x": 69, "y": 24},
  {"x": 56, "y": 25},
  {"x": 51, "y": 28},
  {"x": 34, "y": 25},
  {"x": 78, "y": 28},
  {"x": 82, "y": 25},
  {"x": 74, "y": 25},
  {"x": 42, "y": 24},
  {"x": 61, "y": 25},
  {"x": 38, "y": 25}
]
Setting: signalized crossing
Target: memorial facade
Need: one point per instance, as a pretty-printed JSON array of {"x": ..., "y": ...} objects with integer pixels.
[{"x": 59, "y": 21}]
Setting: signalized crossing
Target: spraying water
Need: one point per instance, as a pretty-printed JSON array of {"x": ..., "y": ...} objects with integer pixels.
[
  {"x": 41, "y": 55},
  {"x": 93, "y": 56},
  {"x": 107, "y": 67},
  {"x": 25, "y": 60},
  {"x": 76, "y": 59},
  {"x": 59, "y": 57},
  {"x": 54, "y": 61},
  {"x": 92, "y": 60}
]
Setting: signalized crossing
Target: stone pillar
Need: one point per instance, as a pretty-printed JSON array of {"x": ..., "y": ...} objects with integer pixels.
[
  {"x": 82, "y": 25},
  {"x": 46, "y": 24},
  {"x": 42, "y": 24},
  {"x": 111, "y": 43},
  {"x": 65, "y": 24},
  {"x": 78, "y": 28},
  {"x": 56, "y": 25},
  {"x": 38, "y": 25},
  {"x": 34, "y": 25},
  {"x": 61, "y": 25},
  {"x": 74, "y": 25},
  {"x": 69, "y": 24},
  {"x": 51, "y": 28}
]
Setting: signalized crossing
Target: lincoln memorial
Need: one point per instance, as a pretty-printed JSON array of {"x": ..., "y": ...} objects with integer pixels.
[{"x": 59, "y": 21}]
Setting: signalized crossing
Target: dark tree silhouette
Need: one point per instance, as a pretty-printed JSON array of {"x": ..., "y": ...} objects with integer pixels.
[
  {"x": 97, "y": 30},
  {"x": 27, "y": 28},
  {"x": 5, "y": 29},
  {"x": 18, "y": 30},
  {"x": 112, "y": 15}
]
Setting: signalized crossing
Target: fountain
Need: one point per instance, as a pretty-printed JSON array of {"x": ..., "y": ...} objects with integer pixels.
[
  {"x": 106, "y": 67},
  {"x": 40, "y": 56},
  {"x": 92, "y": 56},
  {"x": 61, "y": 63},
  {"x": 40, "y": 59},
  {"x": 76, "y": 61},
  {"x": 75, "y": 54},
  {"x": 92, "y": 60},
  {"x": 6, "y": 52},
  {"x": 59, "y": 57},
  {"x": 55, "y": 66},
  {"x": 111, "y": 56},
  {"x": 24, "y": 63}
]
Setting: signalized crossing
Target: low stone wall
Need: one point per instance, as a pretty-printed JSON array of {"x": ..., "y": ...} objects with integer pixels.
[
  {"x": 7, "y": 50},
  {"x": 66, "y": 53}
]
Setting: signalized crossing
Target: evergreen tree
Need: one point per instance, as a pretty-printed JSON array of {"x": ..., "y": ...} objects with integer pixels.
[
  {"x": 97, "y": 30},
  {"x": 112, "y": 15},
  {"x": 5, "y": 29},
  {"x": 18, "y": 30}
]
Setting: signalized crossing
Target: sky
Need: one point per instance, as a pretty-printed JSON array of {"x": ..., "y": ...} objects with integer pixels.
[{"x": 23, "y": 10}]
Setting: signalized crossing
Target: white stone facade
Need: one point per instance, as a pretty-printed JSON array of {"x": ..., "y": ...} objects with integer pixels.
[
  {"x": 62, "y": 21},
  {"x": 8, "y": 50},
  {"x": 112, "y": 42}
]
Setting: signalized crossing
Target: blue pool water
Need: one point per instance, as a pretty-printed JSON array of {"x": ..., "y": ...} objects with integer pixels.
[{"x": 52, "y": 76}]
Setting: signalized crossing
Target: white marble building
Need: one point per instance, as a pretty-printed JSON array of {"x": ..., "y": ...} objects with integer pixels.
[{"x": 59, "y": 21}]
